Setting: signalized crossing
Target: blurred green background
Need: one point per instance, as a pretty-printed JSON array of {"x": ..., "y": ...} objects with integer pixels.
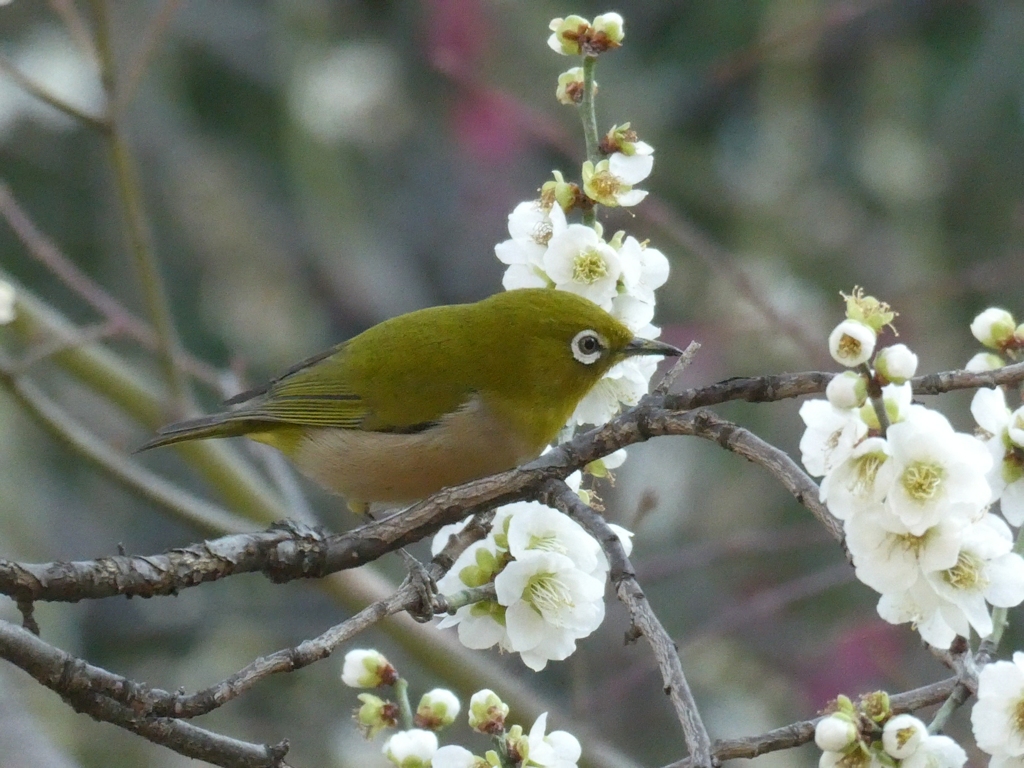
[{"x": 310, "y": 168}]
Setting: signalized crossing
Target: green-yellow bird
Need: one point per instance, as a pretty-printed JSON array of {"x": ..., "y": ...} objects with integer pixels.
[{"x": 433, "y": 398}]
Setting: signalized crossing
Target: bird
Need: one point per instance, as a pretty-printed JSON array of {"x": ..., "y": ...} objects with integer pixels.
[{"x": 432, "y": 398}]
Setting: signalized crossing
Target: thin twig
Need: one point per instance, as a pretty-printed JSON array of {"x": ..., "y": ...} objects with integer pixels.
[
  {"x": 43, "y": 94},
  {"x": 76, "y": 25},
  {"x": 676, "y": 370},
  {"x": 136, "y": 226},
  {"x": 144, "y": 53},
  {"x": 43, "y": 249},
  {"x": 129, "y": 474},
  {"x": 644, "y": 621}
]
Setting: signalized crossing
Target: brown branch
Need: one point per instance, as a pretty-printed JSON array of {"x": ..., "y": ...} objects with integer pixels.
[
  {"x": 146, "y": 702},
  {"x": 298, "y": 552},
  {"x": 796, "y": 734},
  {"x": 77, "y": 682},
  {"x": 644, "y": 621}
]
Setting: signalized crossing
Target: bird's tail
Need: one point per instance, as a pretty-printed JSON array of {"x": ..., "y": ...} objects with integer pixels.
[{"x": 216, "y": 425}]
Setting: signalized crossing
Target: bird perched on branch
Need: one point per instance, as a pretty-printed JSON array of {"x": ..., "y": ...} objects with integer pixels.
[{"x": 432, "y": 398}]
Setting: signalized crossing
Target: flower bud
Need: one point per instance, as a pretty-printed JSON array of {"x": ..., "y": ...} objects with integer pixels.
[
  {"x": 902, "y": 735},
  {"x": 560, "y": 191},
  {"x": 607, "y": 28},
  {"x": 896, "y": 363},
  {"x": 482, "y": 571},
  {"x": 411, "y": 749},
  {"x": 984, "y": 361},
  {"x": 851, "y": 343},
  {"x": 487, "y": 712},
  {"x": 375, "y": 714},
  {"x": 622, "y": 138},
  {"x": 834, "y": 733},
  {"x": 847, "y": 390},
  {"x": 517, "y": 745},
  {"x": 367, "y": 669},
  {"x": 437, "y": 709},
  {"x": 570, "y": 86},
  {"x": 994, "y": 327},
  {"x": 567, "y": 34}
]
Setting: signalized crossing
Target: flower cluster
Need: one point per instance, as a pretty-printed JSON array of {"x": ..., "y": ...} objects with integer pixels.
[
  {"x": 416, "y": 745},
  {"x": 869, "y": 736},
  {"x": 998, "y": 716},
  {"x": 548, "y": 575},
  {"x": 914, "y": 494},
  {"x": 545, "y": 250}
]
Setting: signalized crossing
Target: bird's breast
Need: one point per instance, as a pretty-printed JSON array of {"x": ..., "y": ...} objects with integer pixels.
[{"x": 400, "y": 468}]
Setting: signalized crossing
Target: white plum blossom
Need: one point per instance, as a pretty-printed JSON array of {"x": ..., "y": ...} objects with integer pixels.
[
  {"x": 949, "y": 602},
  {"x": 861, "y": 481},
  {"x": 535, "y": 527},
  {"x": 579, "y": 261},
  {"x": 644, "y": 269},
  {"x": 851, "y": 343},
  {"x": 998, "y": 715},
  {"x": 902, "y": 735},
  {"x": 993, "y": 327},
  {"x": 937, "y": 621},
  {"x": 1007, "y": 474},
  {"x": 938, "y": 472},
  {"x": 558, "y": 749},
  {"x": 531, "y": 226},
  {"x": 891, "y": 561},
  {"x": 550, "y": 604},
  {"x": 480, "y": 625},
  {"x": 611, "y": 181},
  {"x": 411, "y": 749},
  {"x": 830, "y": 436},
  {"x": 986, "y": 571},
  {"x": 936, "y": 752}
]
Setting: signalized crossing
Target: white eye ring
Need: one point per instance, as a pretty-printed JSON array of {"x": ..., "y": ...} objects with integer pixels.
[{"x": 588, "y": 346}]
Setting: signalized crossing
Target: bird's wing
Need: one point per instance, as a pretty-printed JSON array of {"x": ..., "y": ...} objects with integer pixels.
[{"x": 316, "y": 392}]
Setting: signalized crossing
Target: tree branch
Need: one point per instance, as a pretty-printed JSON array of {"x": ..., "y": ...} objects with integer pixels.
[
  {"x": 796, "y": 734},
  {"x": 78, "y": 683},
  {"x": 644, "y": 621}
]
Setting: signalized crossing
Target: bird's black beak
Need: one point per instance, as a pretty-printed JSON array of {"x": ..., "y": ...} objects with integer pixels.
[{"x": 648, "y": 347}]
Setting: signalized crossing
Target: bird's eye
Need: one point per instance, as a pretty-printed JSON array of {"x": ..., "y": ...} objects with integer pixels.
[{"x": 587, "y": 347}]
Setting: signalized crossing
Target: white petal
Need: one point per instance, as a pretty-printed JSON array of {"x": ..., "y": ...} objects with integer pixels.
[{"x": 632, "y": 169}]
